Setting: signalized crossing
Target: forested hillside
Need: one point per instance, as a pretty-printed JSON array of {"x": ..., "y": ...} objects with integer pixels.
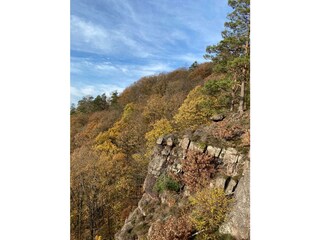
[
  {"x": 109, "y": 147},
  {"x": 113, "y": 139}
]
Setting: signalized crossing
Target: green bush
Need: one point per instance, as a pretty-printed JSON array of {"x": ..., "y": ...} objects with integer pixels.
[
  {"x": 221, "y": 90},
  {"x": 165, "y": 182},
  {"x": 215, "y": 87}
]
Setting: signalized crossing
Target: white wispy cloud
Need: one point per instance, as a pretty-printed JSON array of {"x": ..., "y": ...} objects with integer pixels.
[
  {"x": 105, "y": 68},
  {"x": 116, "y": 42},
  {"x": 89, "y": 35},
  {"x": 143, "y": 29},
  {"x": 92, "y": 37},
  {"x": 86, "y": 65}
]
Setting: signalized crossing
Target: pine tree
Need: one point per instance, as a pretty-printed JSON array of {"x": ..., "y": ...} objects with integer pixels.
[
  {"x": 232, "y": 54},
  {"x": 194, "y": 66}
]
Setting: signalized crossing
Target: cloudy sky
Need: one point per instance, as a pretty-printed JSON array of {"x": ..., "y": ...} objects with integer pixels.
[{"x": 116, "y": 42}]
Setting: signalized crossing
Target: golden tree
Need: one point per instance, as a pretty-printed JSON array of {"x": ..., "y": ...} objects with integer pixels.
[
  {"x": 195, "y": 110},
  {"x": 159, "y": 128},
  {"x": 155, "y": 108},
  {"x": 210, "y": 207},
  {"x": 106, "y": 141}
]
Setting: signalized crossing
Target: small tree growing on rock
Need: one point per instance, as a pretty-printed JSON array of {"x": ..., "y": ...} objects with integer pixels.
[
  {"x": 165, "y": 182},
  {"x": 197, "y": 169},
  {"x": 210, "y": 207}
]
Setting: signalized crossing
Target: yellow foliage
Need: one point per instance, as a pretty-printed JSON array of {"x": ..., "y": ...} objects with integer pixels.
[
  {"x": 140, "y": 160},
  {"x": 154, "y": 109},
  {"x": 195, "y": 110},
  {"x": 159, "y": 128},
  {"x": 209, "y": 210},
  {"x": 106, "y": 141}
]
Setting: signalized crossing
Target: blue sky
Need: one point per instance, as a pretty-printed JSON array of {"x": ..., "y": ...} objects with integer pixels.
[{"x": 116, "y": 42}]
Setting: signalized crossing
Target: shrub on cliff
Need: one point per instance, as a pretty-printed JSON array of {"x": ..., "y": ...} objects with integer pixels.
[
  {"x": 197, "y": 169},
  {"x": 165, "y": 182},
  {"x": 210, "y": 207},
  {"x": 173, "y": 228}
]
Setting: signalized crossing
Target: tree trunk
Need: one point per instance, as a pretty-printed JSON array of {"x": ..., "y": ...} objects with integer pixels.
[
  {"x": 233, "y": 93},
  {"x": 233, "y": 96},
  {"x": 244, "y": 71},
  {"x": 241, "y": 103}
]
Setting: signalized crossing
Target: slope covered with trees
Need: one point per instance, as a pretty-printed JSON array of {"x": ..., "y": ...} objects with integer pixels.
[
  {"x": 110, "y": 147},
  {"x": 112, "y": 138}
]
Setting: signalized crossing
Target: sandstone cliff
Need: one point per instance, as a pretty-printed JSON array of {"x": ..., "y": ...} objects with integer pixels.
[{"x": 226, "y": 166}]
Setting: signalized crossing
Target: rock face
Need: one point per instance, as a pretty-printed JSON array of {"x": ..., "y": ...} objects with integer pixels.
[
  {"x": 218, "y": 182},
  {"x": 238, "y": 221},
  {"x": 168, "y": 159},
  {"x": 185, "y": 143},
  {"x": 231, "y": 159},
  {"x": 231, "y": 186},
  {"x": 198, "y": 147},
  {"x": 136, "y": 219},
  {"x": 213, "y": 151}
]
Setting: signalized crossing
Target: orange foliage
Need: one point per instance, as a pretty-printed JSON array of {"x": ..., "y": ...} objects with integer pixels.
[
  {"x": 174, "y": 228},
  {"x": 227, "y": 130},
  {"x": 197, "y": 169}
]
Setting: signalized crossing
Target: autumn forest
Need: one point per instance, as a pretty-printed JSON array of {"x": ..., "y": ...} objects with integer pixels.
[{"x": 113, "y": 140}]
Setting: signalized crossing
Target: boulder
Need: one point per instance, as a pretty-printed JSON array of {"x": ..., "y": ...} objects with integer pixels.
[
  {"x": 217, "y": 118},
  {"x": 160, "y": 140},
  {"x": 213, "y": 151},
  {"x": 197, "y": 147},
  {"x": 185, "y": 143},
  {"x": 218, "y": 182},
  {"x": 170, "y": 141}
]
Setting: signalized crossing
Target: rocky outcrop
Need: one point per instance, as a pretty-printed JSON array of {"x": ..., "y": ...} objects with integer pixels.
[
  {"x": 168, "y": 159},
  {"x": 231, "y": 186},
  {"x": 237, "y": 222}
]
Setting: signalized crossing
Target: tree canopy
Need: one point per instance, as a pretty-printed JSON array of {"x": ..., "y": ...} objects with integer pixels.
[{"x": 232, "y": 54}]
